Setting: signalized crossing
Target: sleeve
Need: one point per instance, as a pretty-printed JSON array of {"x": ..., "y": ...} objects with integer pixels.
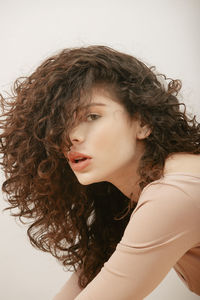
[
  {"x": 161, "y": 229},
  {"x": 70, "y": 289}
]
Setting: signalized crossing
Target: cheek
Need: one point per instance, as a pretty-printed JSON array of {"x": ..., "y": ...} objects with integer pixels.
[
  {"x": 111, "y": 138},
  {"x": 105, "y": 139},
  {"x": 111, "y": 143},
  {"x": 101, "y": 136}
]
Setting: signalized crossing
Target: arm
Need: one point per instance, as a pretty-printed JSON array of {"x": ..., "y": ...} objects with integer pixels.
[
  {"x": 162, "y": 228},
  {"x": 70, "y": 289}
]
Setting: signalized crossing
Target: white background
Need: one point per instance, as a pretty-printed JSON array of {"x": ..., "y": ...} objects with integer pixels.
[{"x": 164, "y": 33}]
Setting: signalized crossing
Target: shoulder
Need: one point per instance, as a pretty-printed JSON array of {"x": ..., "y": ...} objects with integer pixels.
[
  {"x": 167, "y": 207},
  {"x": 183, "y": 163}
]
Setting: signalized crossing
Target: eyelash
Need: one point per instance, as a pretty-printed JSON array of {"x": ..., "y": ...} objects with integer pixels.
[{"x": 92, "y": 116}]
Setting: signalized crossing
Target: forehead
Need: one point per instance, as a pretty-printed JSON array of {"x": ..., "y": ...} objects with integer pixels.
[
  {"x": 104, "y": 100},
  {"x": 101, "y": 97}
]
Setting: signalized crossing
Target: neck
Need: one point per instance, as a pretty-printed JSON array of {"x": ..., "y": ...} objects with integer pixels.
[
  {"x": 128, "y": 185},
  {"x": 127, "y": 179}
]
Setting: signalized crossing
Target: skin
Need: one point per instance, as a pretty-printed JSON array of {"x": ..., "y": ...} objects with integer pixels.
[
  {"x": 116, "y": 145},
  {"x": 114, "y": 142},
  {"x": 183, "y": 163}
]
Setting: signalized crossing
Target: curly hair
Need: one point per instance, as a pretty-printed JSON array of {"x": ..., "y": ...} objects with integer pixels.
[{"x": 81, "y": 225}]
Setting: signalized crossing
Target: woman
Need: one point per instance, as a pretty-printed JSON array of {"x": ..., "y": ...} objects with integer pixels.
[{"x": 99, "y": 154}]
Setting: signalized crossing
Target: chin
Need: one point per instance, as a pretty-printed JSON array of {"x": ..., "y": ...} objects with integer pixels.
[{"x": 84, "y": 180}]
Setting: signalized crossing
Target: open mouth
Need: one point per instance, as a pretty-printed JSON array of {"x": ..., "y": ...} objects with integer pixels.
[
  {"x": 77, "y": 160},
  {"x": 80, "y": 164}
]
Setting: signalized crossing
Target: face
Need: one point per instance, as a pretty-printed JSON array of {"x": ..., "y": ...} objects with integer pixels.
[{"x": 107, "y": 135}]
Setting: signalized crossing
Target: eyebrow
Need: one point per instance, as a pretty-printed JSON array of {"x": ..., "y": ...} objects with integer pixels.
[{"x": 95, "y": 104}]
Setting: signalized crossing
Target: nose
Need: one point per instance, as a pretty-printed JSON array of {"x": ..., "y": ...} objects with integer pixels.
[{"x": 76, "y": 135}]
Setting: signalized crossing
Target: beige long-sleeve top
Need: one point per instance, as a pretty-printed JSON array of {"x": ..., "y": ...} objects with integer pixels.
[{"x": 163, "y": 232}]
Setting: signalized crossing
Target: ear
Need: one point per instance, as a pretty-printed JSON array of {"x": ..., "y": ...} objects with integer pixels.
[{"x": 143, "y": 132}]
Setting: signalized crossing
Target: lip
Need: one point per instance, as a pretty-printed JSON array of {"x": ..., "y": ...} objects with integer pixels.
[
  {"x": 72, "y": 155},
  {"x": 78, "y": 166}
]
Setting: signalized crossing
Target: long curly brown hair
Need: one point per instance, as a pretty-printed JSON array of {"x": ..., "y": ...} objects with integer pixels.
[{"x": 81, "y": 225}]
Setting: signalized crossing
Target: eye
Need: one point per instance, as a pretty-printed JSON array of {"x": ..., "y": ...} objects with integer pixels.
[{"x": 92, "y": 117}]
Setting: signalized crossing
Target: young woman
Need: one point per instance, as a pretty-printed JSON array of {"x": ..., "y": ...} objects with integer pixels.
[{"x": 101, "y": 156}]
